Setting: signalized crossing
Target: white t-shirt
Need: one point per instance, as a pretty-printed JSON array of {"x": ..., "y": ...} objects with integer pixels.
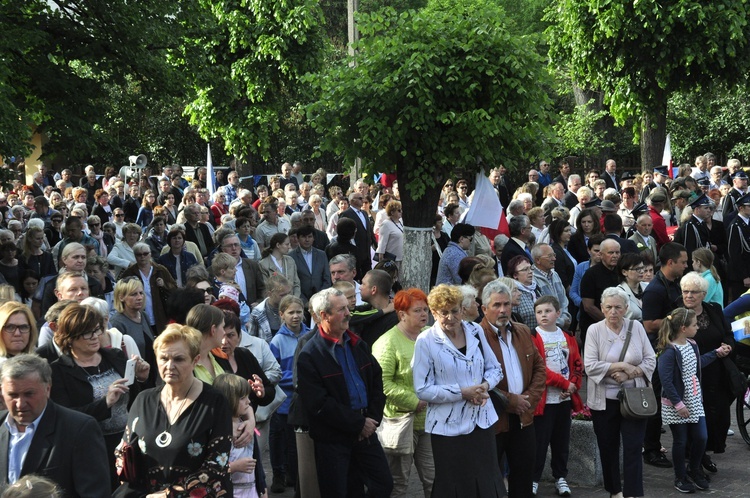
[{"x": 556, "y": 354}]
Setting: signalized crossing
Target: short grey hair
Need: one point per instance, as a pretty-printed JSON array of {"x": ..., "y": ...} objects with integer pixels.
[
  {"x": 517, "y": 224},
  {"x": 321, "y": 301},
  {"x": 584, "y": 192},
  {"x": 694, "y": 280},
  {"x": 100, "y": 305},
  {"x": 495, "y": 287},
  {"x": 351, "y": 261},
  {"x": 574, "y": 177},
  {"x": 469, "y": 294},
  {"x": 501, "y": 240},
  {"x": 515, "y": 207},
  {"x": 536, "y": 251},
  {"x": 616, "y": 293},
  {"x": 25, "y": 365},
  {"x": 141, "y": 247}
]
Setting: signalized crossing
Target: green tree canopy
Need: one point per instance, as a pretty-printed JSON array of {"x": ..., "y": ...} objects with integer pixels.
[
  {"x": 641, "y": 52},
  {"x": 245, "y": 66},
  {"x": 429, "y": 93}
]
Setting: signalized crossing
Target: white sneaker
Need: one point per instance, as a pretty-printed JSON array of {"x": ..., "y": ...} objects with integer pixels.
[
  {"x": 534, "y": 488},
  {"x": 730, "y": 432},
  {"x": 562, "y": 487}
]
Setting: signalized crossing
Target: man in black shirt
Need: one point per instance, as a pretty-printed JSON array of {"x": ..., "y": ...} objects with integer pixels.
[
  {"x": 662, "y": 295},
  {"x": 594, "y": 281}
]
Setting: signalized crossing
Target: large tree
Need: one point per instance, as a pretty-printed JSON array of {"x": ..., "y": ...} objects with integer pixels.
[
  {"x": 428, "y": 95},
  {"x": 641, "y": 52},
  {"x": 61, "y": 59},
  {"x": 245, "y": 66}
]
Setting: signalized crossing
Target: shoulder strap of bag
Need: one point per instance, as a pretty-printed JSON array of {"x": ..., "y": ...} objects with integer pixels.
[{"x": 627, "y": 341}]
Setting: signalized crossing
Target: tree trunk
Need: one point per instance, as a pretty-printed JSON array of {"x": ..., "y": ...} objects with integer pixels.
[
  {"x": 419, "y": 217},
  {"x": 417, "y": 263},
  {"x": 654, "y": 136}
]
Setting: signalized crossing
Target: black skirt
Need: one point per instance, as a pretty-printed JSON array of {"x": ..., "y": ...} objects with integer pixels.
[{"x": 466, "y": 466}]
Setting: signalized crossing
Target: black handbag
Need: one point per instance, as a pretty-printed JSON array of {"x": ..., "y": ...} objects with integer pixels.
[
  {"x": 736, "y": 380},
  {"x": 636, "y": 402}
]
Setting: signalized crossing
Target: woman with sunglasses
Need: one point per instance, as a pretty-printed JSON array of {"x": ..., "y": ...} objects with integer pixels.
[
  {"x": 89, "y": 378},
  {"x": 54, "y": 231},
  {"x": 157, "y": 283}
]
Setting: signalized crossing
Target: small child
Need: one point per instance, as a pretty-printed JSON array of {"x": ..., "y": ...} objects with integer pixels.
[
  {"x": 282, "y": 440},
  {"x": 350, "y": 292},
  {"x": 242, "y": 465},
  {"x": 680, "y": 366},
  {"x": 703, "y": 263},
  {"x": 564, "y": 377}
]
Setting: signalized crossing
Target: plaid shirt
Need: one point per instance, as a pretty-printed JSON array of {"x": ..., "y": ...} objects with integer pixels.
[{"x": 230, "y": 194}]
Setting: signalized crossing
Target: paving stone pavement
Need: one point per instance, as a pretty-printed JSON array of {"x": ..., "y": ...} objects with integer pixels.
[{"x": 732, "y": 480}]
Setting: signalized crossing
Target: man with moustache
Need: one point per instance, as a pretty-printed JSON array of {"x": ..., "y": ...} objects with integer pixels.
[{"x": 523, "y": 384}]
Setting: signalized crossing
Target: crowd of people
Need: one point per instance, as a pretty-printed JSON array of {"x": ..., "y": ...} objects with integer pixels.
[{"x": 180, "y": 337}]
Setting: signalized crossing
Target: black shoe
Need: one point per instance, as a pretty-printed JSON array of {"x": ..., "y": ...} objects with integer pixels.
[
  {"x": 684, "y": 486},
  {"x": 699, "y": 480},
  {"x": 708, "y": 464},
  {"x": 657, "y": 459},
  {"x": 277, "y": 486},
  {"x": 290, "y": 482}
]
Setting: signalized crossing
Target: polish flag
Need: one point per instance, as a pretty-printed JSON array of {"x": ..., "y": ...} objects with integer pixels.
[
  {"x": 666, "y": 159},
  {"x": 486, "y": 212}
]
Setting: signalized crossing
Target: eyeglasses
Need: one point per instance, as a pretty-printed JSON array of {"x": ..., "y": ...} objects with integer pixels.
[
  {"x": 119, "y": 215},
  {"x": 638, "y": 269},
  {"x": 523, "y": 270},
  {"x": 142, "y": 254},
  {"x": 56, "y": 220},
  {"x": 445, "y": 314},
  {"x": 231, "y": 246},
  {"x": 205, "y": 291},
  {"x": 692, "y": 292},
  {"x": 11, "y": 328},
  {"x": 91, "y": 335}
]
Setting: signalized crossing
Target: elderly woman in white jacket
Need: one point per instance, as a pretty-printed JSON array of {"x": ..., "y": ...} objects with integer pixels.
[
  {"x": 122, "y": 256},
  {"x": 454, "y": 370},
  {"x": 605, "y": 341}
]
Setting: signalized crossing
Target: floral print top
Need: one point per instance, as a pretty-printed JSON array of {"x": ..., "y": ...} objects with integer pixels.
[{"x": 195, "y": 463}]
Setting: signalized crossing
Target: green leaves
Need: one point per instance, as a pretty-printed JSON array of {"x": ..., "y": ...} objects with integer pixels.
[{"x": 431, "y": 91}]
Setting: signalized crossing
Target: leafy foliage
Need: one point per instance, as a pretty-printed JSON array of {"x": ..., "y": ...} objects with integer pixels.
[
  {"x": 718, "y": 121},
  {"x": 581, "y": 133},
  {"x": 245, "y": 66},
  {"x": 58, "y": 56},
  {"x": 431, "y": 92},
  {"x": 640, "y": 52}
]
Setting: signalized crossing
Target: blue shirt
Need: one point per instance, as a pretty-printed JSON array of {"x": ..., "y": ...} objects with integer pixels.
[
  {"x": 354, "y": 383},
  {"x": 19, "y": 445}
]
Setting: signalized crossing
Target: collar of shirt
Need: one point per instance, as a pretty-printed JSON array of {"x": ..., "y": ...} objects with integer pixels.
[
  {"x": 520, "y": 242},
  {"x": 13, "y": 428}
]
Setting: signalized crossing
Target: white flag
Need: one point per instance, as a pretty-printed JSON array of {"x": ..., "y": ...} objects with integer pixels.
[
  {"x": 210, "y": 173},
  {"x": 485, "y": 209}
]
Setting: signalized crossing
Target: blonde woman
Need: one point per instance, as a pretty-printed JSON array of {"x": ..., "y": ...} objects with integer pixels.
[{"x": 19, "y": 334}]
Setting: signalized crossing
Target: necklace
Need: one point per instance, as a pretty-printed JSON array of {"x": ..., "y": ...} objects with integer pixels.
[{"x": 165, "y": 438}]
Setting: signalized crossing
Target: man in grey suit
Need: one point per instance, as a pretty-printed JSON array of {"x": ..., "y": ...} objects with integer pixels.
[
  {"x": 312, "y": 264},
  {"x": 643, "y": 239},
  {"x": 39, "y": 437}
]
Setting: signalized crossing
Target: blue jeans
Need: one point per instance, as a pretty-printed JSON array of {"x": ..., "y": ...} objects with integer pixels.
[{"x": 697, "y": 434}]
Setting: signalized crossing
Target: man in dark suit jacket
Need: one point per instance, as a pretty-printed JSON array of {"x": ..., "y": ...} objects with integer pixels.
[
  {"x": 193, "y": 228},
  {"x": 66, "y": 446},
  {"x": 609, "y": 175},
  {"x": 320, "y": 277},
  {"x": 520, "y": 230},
  {"x": 363, "y": 238},
  {"x": 612, "y": 229}
]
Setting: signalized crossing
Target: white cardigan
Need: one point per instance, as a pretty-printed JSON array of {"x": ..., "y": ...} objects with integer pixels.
[
  {"x": 599, "y": 341},
  {"x": 440, "y": 371}
]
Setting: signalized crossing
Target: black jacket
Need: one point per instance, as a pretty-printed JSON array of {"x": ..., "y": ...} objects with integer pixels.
[
  {"x": 68, "y": 448},
  {"x": 325, "y": 398},
  {"x": 72, "y": 389},
  {"x": 247, "y": 365}
]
